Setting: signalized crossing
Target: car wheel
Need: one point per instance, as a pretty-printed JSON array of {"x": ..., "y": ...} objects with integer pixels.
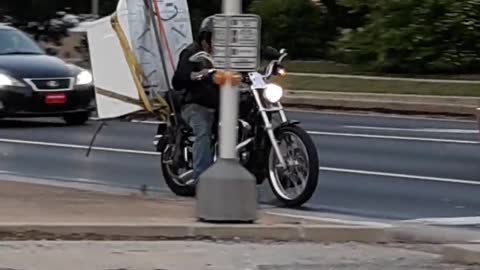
[{"x": 76, "y": 118}]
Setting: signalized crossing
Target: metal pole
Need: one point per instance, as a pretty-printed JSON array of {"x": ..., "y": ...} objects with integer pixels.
[
  {"x": 95, "y": 8},
  {"x": 229, "y": 100},
  {"x": 232, "y": 7}
]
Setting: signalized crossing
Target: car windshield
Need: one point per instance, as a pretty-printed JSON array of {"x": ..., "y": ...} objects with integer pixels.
[{"x": 16, "y": 42}]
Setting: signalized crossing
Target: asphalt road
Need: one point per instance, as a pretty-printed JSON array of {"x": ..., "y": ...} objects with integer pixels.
[{"x": 381, "y": 167}]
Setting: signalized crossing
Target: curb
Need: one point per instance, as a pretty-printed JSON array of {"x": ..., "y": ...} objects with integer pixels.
[
  {"x": 464, "y": 254},
  {"x": 255, "y": 233},
  {"x": 429, "y": 234},
  {"x": 384, "y": 102},
  {"x": 243, "y": 232}
]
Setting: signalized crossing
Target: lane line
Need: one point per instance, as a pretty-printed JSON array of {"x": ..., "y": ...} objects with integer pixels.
[
  {"x": 403, "y": 176},
  {"x": 428, "y": 130},
  {"x": 83, "y": 147},
  {"x": 77, "y": 183},
  {"x": 380, "y": 116},
  {"x": 402, "y": 138},
  {"x": 331, "y": 169},
  {"x": 464, "y": 131},
  {"x": 456, "y": 221}
]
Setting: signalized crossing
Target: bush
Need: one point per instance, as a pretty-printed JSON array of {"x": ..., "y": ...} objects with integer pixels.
[
  {"x": 300, "y": 26},
  {"x": 412, "y": 36}
]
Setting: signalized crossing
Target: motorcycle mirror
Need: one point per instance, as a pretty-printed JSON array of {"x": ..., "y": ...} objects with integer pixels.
[
  {"x": 270, "y": 53},
  {"x": 283, "y": 50},
  {"x": 198, "y": 57}
]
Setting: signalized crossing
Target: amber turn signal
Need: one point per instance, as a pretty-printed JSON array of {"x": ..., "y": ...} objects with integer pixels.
[{"x": 221, "y": 78}]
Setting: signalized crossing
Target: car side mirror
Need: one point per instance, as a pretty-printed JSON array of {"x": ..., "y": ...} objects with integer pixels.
[{"x": 51, "y": 51}]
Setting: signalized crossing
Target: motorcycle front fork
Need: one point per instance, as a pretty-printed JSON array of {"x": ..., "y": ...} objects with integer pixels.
[{"x": 268, "y": 125}]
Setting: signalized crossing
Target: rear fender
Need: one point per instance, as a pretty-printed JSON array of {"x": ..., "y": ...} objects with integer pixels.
[{"x": 161, "y": 138}]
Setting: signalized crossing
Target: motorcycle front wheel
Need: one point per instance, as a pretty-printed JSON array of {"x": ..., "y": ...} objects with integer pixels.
[
  {"x": 172, "y": 173},
  {"x": 295, "y": 185}
]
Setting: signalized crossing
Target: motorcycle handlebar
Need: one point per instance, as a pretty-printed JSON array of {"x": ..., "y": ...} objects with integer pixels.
[{"x": 267, "y": 74}]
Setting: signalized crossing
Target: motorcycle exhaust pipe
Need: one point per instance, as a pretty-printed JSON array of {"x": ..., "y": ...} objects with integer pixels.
[{"x": 186, "y": 176}]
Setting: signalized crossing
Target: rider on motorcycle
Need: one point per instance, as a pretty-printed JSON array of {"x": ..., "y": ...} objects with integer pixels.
[{"x": 202, "y": 97}]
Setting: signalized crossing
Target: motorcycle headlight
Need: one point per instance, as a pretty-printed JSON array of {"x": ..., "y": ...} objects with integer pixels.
[
  {"x": 84, "y": 77},
  {"x": 273, "y": 93},
  {"x": 6, "y": 80}
]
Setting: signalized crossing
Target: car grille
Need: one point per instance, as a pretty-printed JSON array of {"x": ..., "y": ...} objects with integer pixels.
[{"x": 51, "y": 84}]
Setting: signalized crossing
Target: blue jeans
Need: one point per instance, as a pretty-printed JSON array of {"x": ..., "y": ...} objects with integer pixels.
[{"x": 201, "y": 120}]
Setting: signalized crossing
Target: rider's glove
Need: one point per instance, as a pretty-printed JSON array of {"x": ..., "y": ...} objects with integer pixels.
[{"x": 200, "y": 75}]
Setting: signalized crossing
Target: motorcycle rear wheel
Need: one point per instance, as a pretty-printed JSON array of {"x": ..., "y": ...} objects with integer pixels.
[
  {"x": 171, "y": 176},
  {"x": 301, "y": 173}
]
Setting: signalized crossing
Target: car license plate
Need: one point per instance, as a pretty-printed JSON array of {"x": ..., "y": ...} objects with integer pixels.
[{"x": 52, "y": 99}]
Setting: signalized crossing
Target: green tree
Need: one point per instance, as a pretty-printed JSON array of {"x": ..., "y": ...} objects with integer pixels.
[
  {"x": 201, "y": 9},
  {"x": 301, "y": 26},
  {"x": 415, "y": 36}
]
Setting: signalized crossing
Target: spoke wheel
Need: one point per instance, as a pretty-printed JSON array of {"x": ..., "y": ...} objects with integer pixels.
[
  {"x": 295, "y": 184},
  {"x": 172, "y": 172}
]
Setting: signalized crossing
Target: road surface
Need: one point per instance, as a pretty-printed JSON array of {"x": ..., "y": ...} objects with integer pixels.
[{"x": 371, "y": 166}]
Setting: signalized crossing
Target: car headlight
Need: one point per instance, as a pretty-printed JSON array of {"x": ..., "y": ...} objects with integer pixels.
[
  {"x": 273, "y": 93},
  {"x": 84, "y": 77},
  {"x": 6, "y": 80}
]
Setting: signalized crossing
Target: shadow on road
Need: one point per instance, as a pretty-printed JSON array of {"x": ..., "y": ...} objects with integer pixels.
[{"x": 30, "y": 123}]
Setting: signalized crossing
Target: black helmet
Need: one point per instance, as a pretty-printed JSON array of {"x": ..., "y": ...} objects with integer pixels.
[
  {"x": 206, "y": 30},
  {"x": 207, "y": 25}
]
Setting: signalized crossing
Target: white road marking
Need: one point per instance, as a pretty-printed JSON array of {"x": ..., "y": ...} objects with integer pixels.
[
  {"x": 403, "y": 176},
  {"x": 341, "y": 113},
  {"x": 331, "y": 220},
  {"x": 76, "y": 183},
  {"x": 148, "y": 122},
  {"x": 76, "y": 146},
  {"x": 403, "y": 138},
  {"x": 454, "y": 221},
  {"x": 380, "y": 115},
  {"x": 430, "y": 130},
  {"x": 153, "y": 153}
]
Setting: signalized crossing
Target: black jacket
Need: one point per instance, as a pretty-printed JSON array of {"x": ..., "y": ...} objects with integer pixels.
[{"x": 204, "y": 92}]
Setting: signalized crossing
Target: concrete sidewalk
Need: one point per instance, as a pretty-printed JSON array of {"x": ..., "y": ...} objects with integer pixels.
[
  {"x": 203, "y": 255},
  {"x": 33, "y": 212}
]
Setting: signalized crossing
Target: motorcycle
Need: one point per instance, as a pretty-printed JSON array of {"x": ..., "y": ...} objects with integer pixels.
[{"x": 270, "y": 145}]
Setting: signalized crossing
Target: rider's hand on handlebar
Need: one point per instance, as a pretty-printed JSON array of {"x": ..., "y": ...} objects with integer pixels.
[{"x": 200, "y": 75}]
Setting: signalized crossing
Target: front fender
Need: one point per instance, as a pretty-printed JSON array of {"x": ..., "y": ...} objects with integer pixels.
[{"x": 289, "y": 123}]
